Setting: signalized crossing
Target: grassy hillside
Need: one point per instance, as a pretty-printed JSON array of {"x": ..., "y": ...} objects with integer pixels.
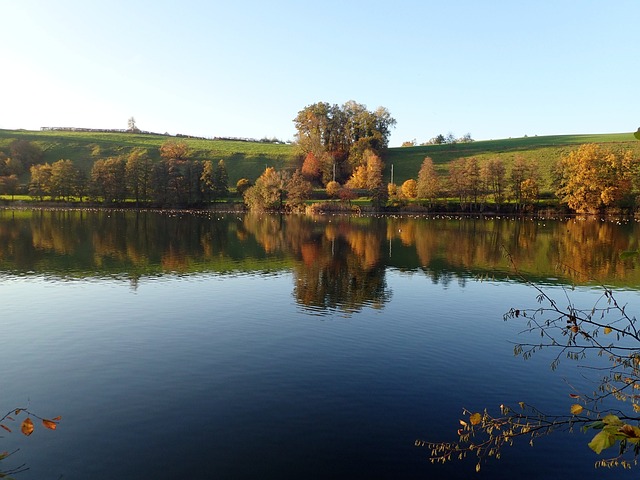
[
  {"x": 249, "y": 159},
  {"x": 243, "y": 159},
  {"x": 545, "y": 150}
]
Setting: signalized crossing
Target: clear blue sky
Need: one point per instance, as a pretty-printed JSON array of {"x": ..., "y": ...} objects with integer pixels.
[{"x": 494, "y": 69}]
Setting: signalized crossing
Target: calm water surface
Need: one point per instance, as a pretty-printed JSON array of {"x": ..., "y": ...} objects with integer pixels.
[{"x": 225, "y": 346}]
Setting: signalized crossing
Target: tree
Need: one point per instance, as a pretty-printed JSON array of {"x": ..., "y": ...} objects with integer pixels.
[
  {"x": 268, "y": 192},
  {"x": 493, "y": 174},
  {"x": 131, "y": 125},
  {"x": 215, "y": 180},
  {"x": 171, "y": 150},
  {"x": 593, "y": 177},
  {"x": 64, "y": 180},
  {"x": 40, "y": 184},
  {"x": 242, "y": 185},
  {"x": 409, "y": 189},
  {"x": 428, "y": 184},
  {"x": 221, "y": 189},
  {"x": 311, "y": 167},
  {"x": 138, "y": 171},
  {"x": 9, "y": 185},
  {"x": 605, "y": 330},
  {"x": 25, "y": 152},
  {"x": 521, "y": 170},
  {"x": 333, "y": 188},
  {"x": 339, "y": 136},
  {"x": 108, "y": 179},
  {"x": 298, "y": 190}
]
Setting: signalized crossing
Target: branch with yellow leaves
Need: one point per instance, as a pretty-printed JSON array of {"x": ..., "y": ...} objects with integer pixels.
[
  {"x": 605, "y": 329},
  {"x": 27, "y": 427}
]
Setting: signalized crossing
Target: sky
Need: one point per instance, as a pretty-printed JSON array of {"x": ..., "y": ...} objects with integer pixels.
[{"x": 244, "y": 68}]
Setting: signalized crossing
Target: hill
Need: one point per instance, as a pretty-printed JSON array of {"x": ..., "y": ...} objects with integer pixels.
[
  {"x": 546, "y": 150},
  {"x": 243, "y": 158},
  {"x": 249, "y": 158}
]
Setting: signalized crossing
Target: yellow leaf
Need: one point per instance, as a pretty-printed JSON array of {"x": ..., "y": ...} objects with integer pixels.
[
  {"x": 607, "y": 330},
  {"x": 57, "y": 419},
  {"x": 576, "y": 409},
  {"x": 27, "y": 426},
  {"x": 475, "y": 419},
  {"x": 49, "y": 424}
]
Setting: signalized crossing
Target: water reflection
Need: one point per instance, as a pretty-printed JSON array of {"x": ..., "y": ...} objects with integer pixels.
[{"x": 336, "y": 262}]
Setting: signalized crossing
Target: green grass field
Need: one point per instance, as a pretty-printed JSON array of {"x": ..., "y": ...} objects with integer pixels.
[{"x": 249, "y": 159}]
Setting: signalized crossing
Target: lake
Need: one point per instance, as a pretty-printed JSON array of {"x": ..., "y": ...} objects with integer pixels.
[{"x": 240, "y": 346}]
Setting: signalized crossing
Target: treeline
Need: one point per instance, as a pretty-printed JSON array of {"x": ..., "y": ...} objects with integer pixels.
[{"x": 176, "y": 179}]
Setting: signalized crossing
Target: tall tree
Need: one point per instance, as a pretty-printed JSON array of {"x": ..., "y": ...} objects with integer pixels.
[
  {"x": 428, "y": 184},
  {"x": 138, "y": 174},
  {"x": 493, "y": 173},
  {"x": 108, "y": 179},
  {"x": 40, "y": 184},
  {"x": 64, "y": 179},
  {"x": 338, "y": 136}
]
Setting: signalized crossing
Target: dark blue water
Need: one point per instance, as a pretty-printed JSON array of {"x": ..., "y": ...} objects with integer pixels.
[
  {"x": 325, "y": 357},
  {"x": 227, "y": 377}
]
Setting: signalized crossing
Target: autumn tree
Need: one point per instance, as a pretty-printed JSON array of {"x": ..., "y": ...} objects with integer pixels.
[
  {"x": 40, "y": 183},
  {"x": 108, "y": 179},
  {"x": 311, "y": 167},
  {"x": 9, "y": 185},
  {"x": 339, "y": 136},
  {"x": 521, "y": 170},
  {"x": 298, "y": 190},
  {"x": 268, "y": 192},
  {"x": 593, "y": 177},
  {"x": 138, "y": 170},
  {"x": 493, "y": 174},
  {"x": 243, "y": 185},
  {"x": 63, "y": 182},
  {"x": 25, "y": 152},
  {"x": 332, "y": 189},
  {"x": 172, "y": 150},
  {"x": 215, "y": 180},
  {"x": 409, "y": 189},
  {"x": 428, "y": 183}
]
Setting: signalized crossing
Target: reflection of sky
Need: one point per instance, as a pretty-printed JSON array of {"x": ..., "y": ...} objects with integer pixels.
[{"x": 192, "y": 374}]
